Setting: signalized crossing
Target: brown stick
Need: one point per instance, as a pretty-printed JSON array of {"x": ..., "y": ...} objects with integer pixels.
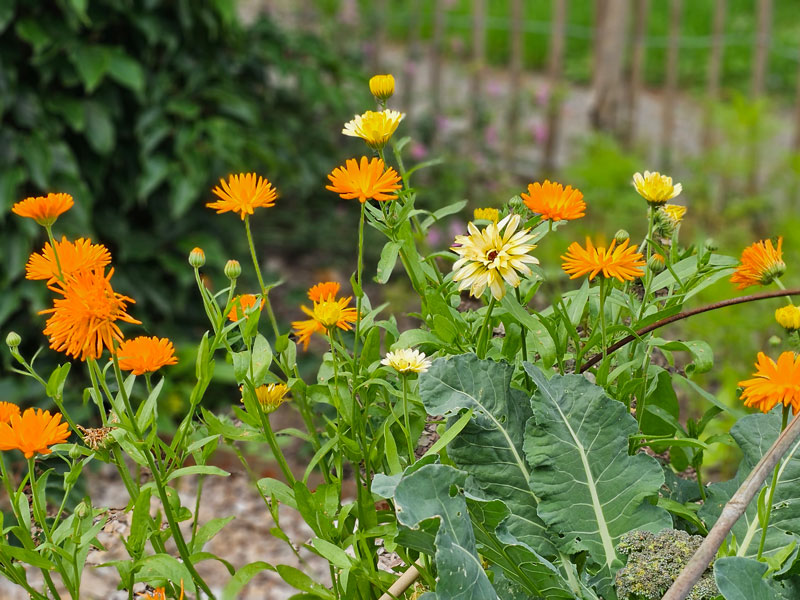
[
  {"x": 731, "y": 513},
  {"x": 689, "y": 313},
  {"x": 402, "y": 584}
]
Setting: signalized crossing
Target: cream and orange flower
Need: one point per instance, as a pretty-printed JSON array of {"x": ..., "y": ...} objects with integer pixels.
[
  {"x": 365, "y": 179},
  {"x": 492, "y": 257},
  {"x": 243, "y": 193},
  {"x": 327, "y": 313},
  {"x": 8, "y": 410},
  {"x": 773, "y": 383},
  {"x": 79, "y": 255},
  {"x": 84, "y": 319},
  {"x": 44, "y": 209},
  {"x": 760, "y": 264},
  {"x": 407, "y": 360},
  {"x": 621, "y": 262},
  {"x": 146, "y": 354},
  {"x": 375, "y": 128},
  {"x": 555, "y": 202},
  {"x": 656, "y": 188},
  {"x": 33, "y": 432}
]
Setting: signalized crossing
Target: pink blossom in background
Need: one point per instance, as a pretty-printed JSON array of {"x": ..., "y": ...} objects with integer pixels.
[
  {"x": 495, "y": 89},
  {"x": 539, "y": 131},
  {"x": 456, "y": 227},
  {"x": 491, "y": 136},
  {"x": 434, "y": 237},
  {"x": 418, "y": 150},
  {"x": 442, "y": 125}
]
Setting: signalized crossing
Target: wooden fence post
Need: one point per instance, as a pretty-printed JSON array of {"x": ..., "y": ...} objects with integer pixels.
[
  {"x": 610, "y": 27},
  {"x": 670, "y": 90},
  {"x": 714, "y": 74},
  {"x": 478, "y": 66},
  {"x": 640, "y": 13},
  {"x": 515, "y": 80},
  {"x": 760, "y": 57},
  {"x": 554, "y": 69}
]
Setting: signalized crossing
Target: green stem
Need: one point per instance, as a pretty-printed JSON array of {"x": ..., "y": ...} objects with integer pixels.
[
  {"x": 484, "y": 333},
  {"x": 49, "y": 230},
  {"x": 273, "y": 445},
  {"x": 42, "y": 521},
  {"x": 524, "y": 332},
  {"x": 177, "y": 536},
  {"x": 359, "y": 295},
  {"x": 264, "y": 292},
  {"x": 409, "y": 442},
  {"x": 771, "y": 493},
  {"x": 648, "y": 275},
  {"x": 603, "y": 316}
]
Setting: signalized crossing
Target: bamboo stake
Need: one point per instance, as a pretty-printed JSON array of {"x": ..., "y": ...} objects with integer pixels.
[{"x": 405, "y": 581}]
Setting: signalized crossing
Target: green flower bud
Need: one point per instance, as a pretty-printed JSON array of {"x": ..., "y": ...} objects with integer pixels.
[
  {"x": 711, "y": 245},
  {"x": 232, "y": 269},
  {"x": 197, "y": 258},
  {"x": 775, "y": 341},
  {"x": 13, "y": 340},
  {"x": 622, "y": 236},
  {"x": 656, "y": 263},
  {"x": 83, "y": 510},
  {"x": 75, "y": 452}
]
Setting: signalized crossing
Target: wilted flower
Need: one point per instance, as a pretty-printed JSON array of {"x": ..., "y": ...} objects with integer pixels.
[
  {"x": 44, "y": 209},
  {"x": 407, "y": 360},
  {"x": 365, "y": 180},
  {"x": 555, "y": 202},
  {"x": 492, "y": 256},
  {"x": 773, "y": 383},
  {"x": 33, "y": 432},
  {"x": 655, "y": 187},
  {"x": 760, "y": 264},
  {"x": 620, "y": 262},
  {"x": 375, "y": 128},
  {"x": 243, "y": 193},
  {"x": 788, "y": 317},
  {"x": 146, "y": 354}
]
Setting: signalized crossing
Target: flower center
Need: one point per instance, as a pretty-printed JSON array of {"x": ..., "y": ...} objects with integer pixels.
[
  {"x": 328, "y": 313},
  {"x": 492, "y": 255}
]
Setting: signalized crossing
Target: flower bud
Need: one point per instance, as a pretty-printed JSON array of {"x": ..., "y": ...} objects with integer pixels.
[
  {"x": 788, "y": 317},
  {"x": 232, "y": 269},
  {"x": 517, "y": 205},
  {"x": 656, "y": 263},
  {"x": 83, "y": 510},
  {"x": 13, "y": 340},
  {"x": 197, "y": 258},
  {"x": 775, "y": 341},
  {"x": 711, "y": 245},
  {"x": 382, "y": 86},
  {"x": 622, "y": 236},
  {"x": 75, "y": 452}
]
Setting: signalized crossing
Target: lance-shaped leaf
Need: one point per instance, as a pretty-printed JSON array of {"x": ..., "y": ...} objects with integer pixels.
[
  {"x": 590, "y": 490},
  {"x": 755, "y": 434},
  {"x": 489, "y": 448},
  {"x": 436, "y": 492}
]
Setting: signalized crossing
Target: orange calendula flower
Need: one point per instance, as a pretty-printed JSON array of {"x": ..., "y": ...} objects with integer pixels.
[
  {"x": 83, "y": 320},
  {"x": 323, "y": 291},
  {"x": 243, "y": 193},
  {"x": 620, "y": 262},
  {"x": 158, "y": 594},
  {"x": 146, "y": 354},
  {"x": 8, "y": 410},
  {"x": 44, "y": 209},
  {"x": 555, "y": 202},
  {"x": 760, "y": 264},
  {"x": 242, "y": 305},
  {"x": 80, "y": 255},
  {"x": 773, "y": 383},
  {"x": 33, "y": 432},
  {"x": 327, "y": 313},
  {"x": 364, "y": 180}
]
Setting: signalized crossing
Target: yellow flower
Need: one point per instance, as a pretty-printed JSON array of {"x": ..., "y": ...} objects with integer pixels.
[
  {"x": 487, "y": 214},
  {"x": 271, "y": 396},
  {"x": 375, "y": 128},
  {"x": 243, "y": 193},
  {"x": 555, "y": 202},
  {"x": 407, "y": 360},
  {"x": 773, "y": 383},
  {"x": 44, "y": 209},
  {"x": 489, "y": 257},
  {"x": 382, "y": 86},
  {"x": 655, "y": 187},
  {"x": 760, "y": 264},
  {"x": 675, "y": 212},
  {"x": 364, "y": 180},
  {"x": 620, "y": 262},
  {"x": 33, "y": 432},
  {"x": 788, "y": 317},
  {"x": 328, "y": 312}
]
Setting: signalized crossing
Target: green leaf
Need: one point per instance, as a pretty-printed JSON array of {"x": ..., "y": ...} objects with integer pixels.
[
  {"x": 754, "y": 434},
  {"x": 92, "y": 63},
  {"x": 164, "y": 566},
  {"x": 126, "y": 70},
  {"x": 27, "y": 556},
  {"x": 387, "y": 261},
  {"x": 55, "y": 384},
  {"x": 590, "y": 490},
  {"x": 147, "y": 411},
  {"x": 436, "y": 492},
  {"x": 740, "y": 578},
  {"x": 332, "y": 553},
  {"x": 542, "y": 341},
  {"x": 262, "y": 359},
  {"x": 99, "y": 127},
  {"x": 197, "y": 470},
  {"x": 489, "y": 447},
  {"x": 702, "y": 354},
  {"x": 207, "y": 532},
  {"x": 303, "y": 582},
  {"x": 243, "y": 575}
]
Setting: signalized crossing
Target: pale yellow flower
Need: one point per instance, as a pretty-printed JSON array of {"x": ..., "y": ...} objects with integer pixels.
[
  {"x": 655, "y": 187},
  {"x": 788, "y": 317},
  {"x": 375, "y": 128},
  {"x": 407, "y": 360},
  {"x": 489, "y": 258},
  {"x": 382, "y": 86},
  {"x": 271, "y": 396},
  {"x": 487, "y": 214},
  {"x": 675, "y": 212}
]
